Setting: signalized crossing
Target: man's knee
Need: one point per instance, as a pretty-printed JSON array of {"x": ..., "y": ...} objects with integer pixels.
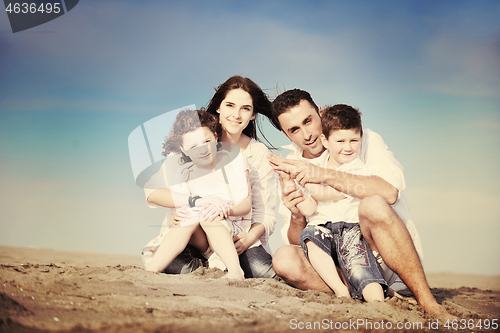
[
  {"x": 374, "y": 210},
  {"x": 285, "y": 262}
]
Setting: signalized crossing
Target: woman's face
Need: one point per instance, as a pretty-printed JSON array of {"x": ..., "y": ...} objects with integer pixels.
[
  {"x": 200, "y": 146},
  {"x": 236, "y": 111}
]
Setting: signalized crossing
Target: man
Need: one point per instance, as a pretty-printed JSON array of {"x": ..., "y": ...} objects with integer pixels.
[{"x": 297, "y": 116}]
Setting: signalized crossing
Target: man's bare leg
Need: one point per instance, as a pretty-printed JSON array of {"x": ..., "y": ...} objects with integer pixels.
[
  {"x": 386, "y": 233},
  {"x": 290, "y": 263}
]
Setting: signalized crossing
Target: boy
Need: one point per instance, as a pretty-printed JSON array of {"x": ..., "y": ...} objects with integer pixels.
[{"x": 333, "y": 234}]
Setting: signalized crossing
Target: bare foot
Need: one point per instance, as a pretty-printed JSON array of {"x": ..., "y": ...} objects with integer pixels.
[
  {"x": 342, "y": 292},
  {"x": 240, "y": 276},
  {"x": 410, "y": 300},
  {"x": 438, "y": 311}
]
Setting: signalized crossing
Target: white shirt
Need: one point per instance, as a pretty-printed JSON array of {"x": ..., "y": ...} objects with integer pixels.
[{"x": 343, "y": 210}]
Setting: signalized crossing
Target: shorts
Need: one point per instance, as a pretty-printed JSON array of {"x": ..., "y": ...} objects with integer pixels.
[{"x": 345, "y": 244}]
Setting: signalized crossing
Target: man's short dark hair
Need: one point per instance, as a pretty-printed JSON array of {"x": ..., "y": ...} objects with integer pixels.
[
  {"x": 340, "y": 117},
  {"x": 287, "y": 100}
]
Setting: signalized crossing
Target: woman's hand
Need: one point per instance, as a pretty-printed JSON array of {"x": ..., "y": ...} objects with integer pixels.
[
  {"x": 241, "y": 242},
  {"x": 211, "y": 206}
]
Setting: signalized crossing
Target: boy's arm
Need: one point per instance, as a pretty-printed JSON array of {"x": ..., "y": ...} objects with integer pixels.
[
  {"x": 308, "y": 206},
  {"x": 323, "y": 193}
]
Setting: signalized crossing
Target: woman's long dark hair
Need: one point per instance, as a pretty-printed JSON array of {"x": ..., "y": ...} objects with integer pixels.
[{"x": 261, "y": 103}]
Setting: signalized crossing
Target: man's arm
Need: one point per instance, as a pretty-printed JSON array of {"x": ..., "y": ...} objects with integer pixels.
[
  {"x": 362, "y": 186},
  {"x": 354, "y": 185}
]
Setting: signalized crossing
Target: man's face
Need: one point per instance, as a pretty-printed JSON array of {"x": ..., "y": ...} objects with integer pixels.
[{"x": 302, "y": 125}]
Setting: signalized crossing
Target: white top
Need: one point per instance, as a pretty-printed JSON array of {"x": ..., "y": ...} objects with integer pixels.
[
  {"x": 343, "y": 210},
  {"x": 381, "y": 162}
]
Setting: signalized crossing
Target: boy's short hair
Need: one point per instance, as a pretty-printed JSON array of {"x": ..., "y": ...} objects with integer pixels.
[
  {"x": 340, "y": 117},
  {"x": 287, "y": 100}
]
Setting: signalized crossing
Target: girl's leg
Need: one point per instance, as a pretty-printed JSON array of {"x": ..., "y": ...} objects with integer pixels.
[
  {"x": 173, "y": 244},
  {"x": 199, "y": 239},
  {"x": 223, "y": 245},
  {"x": 325, "y": 267}
]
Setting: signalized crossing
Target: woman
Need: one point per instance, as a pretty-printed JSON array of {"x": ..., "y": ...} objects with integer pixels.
[{"x": 236, "y": 103}]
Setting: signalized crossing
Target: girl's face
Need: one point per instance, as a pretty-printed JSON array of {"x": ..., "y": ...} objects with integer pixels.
[
  {"x": 200, "y": 145},
  {"x": 236, "y": 111}
]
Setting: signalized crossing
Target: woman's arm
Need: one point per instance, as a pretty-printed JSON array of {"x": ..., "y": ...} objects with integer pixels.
[
  {"x": 264, "y": 188},
  {"x": 244, "y": 240}
]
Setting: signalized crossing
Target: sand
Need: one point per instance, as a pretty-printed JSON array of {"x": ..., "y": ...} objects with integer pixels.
[{"x": 47, "y": 290}]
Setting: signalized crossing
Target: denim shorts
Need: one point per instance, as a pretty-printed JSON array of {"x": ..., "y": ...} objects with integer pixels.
[
  {"x": 187, "y": 261},
  {"x": 345, "y": 244}
]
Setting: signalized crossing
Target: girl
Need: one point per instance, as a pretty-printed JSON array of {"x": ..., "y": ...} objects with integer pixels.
[
  {"x": 212, "y": 184},
  {"x": 236, "y": 104}
]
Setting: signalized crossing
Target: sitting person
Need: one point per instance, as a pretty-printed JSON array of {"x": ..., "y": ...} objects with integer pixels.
[
  {"x": 213, "y": 183},
  {"x": 332, "y": 234},
  {"x": 384, "y": 217}
]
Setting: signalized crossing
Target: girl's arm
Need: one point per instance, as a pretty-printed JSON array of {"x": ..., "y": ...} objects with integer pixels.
[{"x": 166, "y": 198}]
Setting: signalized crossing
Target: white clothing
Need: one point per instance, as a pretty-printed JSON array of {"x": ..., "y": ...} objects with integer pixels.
[
  {"x": 343, "y": 210},
  {"x": 264, "y": 188}
]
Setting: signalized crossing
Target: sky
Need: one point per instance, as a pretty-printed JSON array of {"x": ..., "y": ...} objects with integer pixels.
[{"x": 424, "y": 74}]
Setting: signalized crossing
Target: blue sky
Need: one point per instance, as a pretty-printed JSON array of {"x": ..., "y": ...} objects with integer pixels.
[{"x": 425, "y": 75}]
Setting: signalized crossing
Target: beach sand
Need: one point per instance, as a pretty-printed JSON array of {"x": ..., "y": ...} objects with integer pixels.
[{"x": 47, "y": 290}]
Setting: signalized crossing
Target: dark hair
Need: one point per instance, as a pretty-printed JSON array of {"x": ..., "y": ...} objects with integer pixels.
[
  {"x": 340, "y": 117},
  {"x": 260, "y": 101},
  {"x": 288, "y": 100},
  {"x": 187, "y": 121}
]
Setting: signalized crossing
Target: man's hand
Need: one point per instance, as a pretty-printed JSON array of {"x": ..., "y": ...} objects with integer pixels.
[
  {"x": 291, "y": 195},
  {"x": 303, "y": 172},
  {"x": 241, "y": 242}
]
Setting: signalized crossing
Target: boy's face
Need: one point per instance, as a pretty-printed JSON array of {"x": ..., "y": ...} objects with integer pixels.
[
  {"x": 302, "y": 125},
  {"x": 343, "y": 145}
]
